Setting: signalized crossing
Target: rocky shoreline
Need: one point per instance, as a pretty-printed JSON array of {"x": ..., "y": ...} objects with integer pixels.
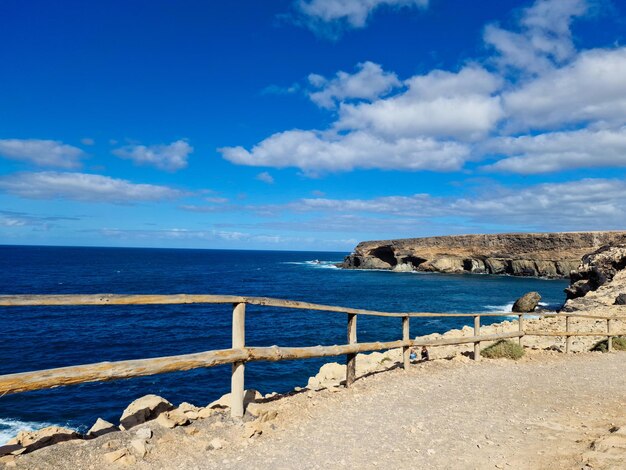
[{"x": 550, "y": 255}]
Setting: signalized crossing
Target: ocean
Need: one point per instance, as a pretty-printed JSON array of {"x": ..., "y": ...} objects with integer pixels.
[{"x": 43, "y": 337}]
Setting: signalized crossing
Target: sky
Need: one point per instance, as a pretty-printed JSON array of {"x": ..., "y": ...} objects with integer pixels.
[{"x": 308, "y": 124}]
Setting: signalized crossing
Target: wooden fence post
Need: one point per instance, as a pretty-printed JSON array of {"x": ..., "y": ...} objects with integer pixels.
[
  {"x": 477, "y": 333},
  {"x": 609, "y": 339},
  {"x": 521, "y": 328},
  {"x": 238, "y": 368},
  {"x": 351, "y": 358},
  {"x": 406, "y": 353},
  {"x": 568, "y": 338}
]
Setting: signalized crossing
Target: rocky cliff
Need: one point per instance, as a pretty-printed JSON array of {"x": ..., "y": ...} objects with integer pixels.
[
  {"x": 598, "y": 285},
  {"x": 518, "y": 254}
]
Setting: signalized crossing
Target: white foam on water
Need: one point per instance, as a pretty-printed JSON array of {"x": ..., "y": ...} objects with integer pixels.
[
  {"x": 10, "y": 427},
  {"x": 315, "y": 264},
  {"x": 506, "y": 308}
]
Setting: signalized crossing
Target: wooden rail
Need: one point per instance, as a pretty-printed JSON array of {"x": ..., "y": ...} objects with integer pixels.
[{"x": 240, "y": 353}]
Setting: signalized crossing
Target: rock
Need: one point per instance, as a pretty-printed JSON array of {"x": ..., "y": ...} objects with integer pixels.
[
  {"x": 144, "y": 433},
  {"x": 171, "y": 419},
  {"x": 33, "y": 440},
  {"x": 144, "y": 409},
  {"x": 262, "y": 412},
  {"x": 120, "y": 457},
  {"x": 216, "y": 444},
  {"x": 140, "y": 447},
  {"x": 11, "y": 449},
  {"x": 620, "y": 299},
  {"x": 248, "y": 397},
  {"x": 100, "y": 428},
  {"x": 596, "y": 269},
  {"x": 252, "y": 428},
  {"x": 496, "y": 266},
  {"x": 207, "y": 412},
  {"x": 444, "y": 264},
  {"x": 191, "y": 411},
  {"x": 527, "y": 303},
  {"x": 329, "y": 374}
]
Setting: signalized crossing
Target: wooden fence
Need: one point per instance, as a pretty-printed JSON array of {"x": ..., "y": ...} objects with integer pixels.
[{"x": 240, "y": 353}]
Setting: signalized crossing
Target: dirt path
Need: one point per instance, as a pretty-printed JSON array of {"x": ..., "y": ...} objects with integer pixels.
[
  {"x": 451, "y": 414},
  {"x": 541, "y": 412}
]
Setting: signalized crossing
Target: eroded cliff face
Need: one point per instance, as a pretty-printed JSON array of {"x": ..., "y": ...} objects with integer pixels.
[
  {"x": 599, "y": 283},
  {"x": 517, "y": 254}
]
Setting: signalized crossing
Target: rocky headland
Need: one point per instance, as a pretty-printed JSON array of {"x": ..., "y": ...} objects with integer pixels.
[{"x": 550, "y": 255}]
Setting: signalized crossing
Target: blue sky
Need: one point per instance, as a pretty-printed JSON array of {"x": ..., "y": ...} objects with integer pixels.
[{"x": 308, "y": 124}]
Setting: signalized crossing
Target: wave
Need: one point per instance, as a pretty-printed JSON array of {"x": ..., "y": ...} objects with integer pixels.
[
  {"x": 10, "y": 427},
  {"x": 315, "y": 263}
]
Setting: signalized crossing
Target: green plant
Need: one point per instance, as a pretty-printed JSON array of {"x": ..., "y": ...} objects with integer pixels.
[
  {"x": 619, "y": 344},
  {"x": 503, "y": 349}
]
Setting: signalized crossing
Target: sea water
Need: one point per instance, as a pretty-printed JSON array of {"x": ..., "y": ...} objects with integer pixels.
[{"x": 36, "y": 338}]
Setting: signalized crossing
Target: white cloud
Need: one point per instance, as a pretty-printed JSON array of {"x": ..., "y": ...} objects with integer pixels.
[
  {"x": 170, "y": 157},
  {"x": 368, "y": 83},
  {"x": 591, "y": 88},
  {"x": 83, "y": 187},
  {"x": 48, "y": 153},
  {"x": 576, "y": 205},
  {"x": 87, "y": 141},
  {"x": 345, "y": 13},
  {"x": 265, "y": 177},
  {"x": 315, "y": 152},
  {"x": 545, "y": 38},
  {"x": 560, "y": 151},
  {"x": 436, "y": 104}
]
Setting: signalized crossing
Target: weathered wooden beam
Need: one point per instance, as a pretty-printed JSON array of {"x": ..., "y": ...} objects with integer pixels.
[
  {"x": 118, "y": 299},
  {"x": 237, "y": 378},
  {"x": 351, "y": 358},
  {"x": 477, "y": 334},
  {"x": 609, "y": 340},
  {"x": 105, "y": 371},
  {"x": 520, "y": 328},
  {"x": 406, "y": 350},
  {"x": 569, "y": 334},
  {"x": 568, "y": 339}
]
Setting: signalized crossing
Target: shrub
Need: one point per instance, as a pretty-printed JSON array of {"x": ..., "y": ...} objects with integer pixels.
[
  {"x": 504, "y": 349},
  {"x": 619, "y": 344}
]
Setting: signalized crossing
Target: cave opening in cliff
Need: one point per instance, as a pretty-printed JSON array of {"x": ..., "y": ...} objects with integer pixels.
[
  {"x": 386, "y": 254},
  {"x": 414, "y": 260}
]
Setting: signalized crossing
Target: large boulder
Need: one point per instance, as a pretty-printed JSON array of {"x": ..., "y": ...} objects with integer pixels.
[
  {"x": 527, "y": 303},
  {"x": 28, "y": 441},
  {"x": 101, "y": 427},
  {"x": 144, "y": 409}
]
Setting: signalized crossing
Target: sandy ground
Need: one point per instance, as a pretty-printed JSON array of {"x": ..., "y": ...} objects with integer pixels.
[{"x": 546, "y": 411}]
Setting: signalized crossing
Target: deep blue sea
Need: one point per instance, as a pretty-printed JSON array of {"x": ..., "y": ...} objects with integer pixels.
[{"x": 45, "y": 337}]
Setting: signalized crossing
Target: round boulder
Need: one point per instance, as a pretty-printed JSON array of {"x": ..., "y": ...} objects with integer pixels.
[{"x": 527, "y": 303}]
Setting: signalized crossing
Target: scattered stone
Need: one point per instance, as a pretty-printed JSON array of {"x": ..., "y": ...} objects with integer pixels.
[
  {"x": 171, "y": 419},
  {"x": 252, "y": 428},
  {"x": 262, "y": 412},
  {"x": 192, "y": 430},
  {"x": 216, "y": 444},
  {"x": 143, "y": 409},
  {"x": 207, "y": 412},
  {"x": 144, "y": 433},
  {"x": 249, "y": 396},
  {"x": 527, "y": 303},
  {"x": 140, "y": 446},
  {"x": 101, "y": 427},
  {"x": 29, "y": 441},
  {"x": 121, "y": 457}
]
